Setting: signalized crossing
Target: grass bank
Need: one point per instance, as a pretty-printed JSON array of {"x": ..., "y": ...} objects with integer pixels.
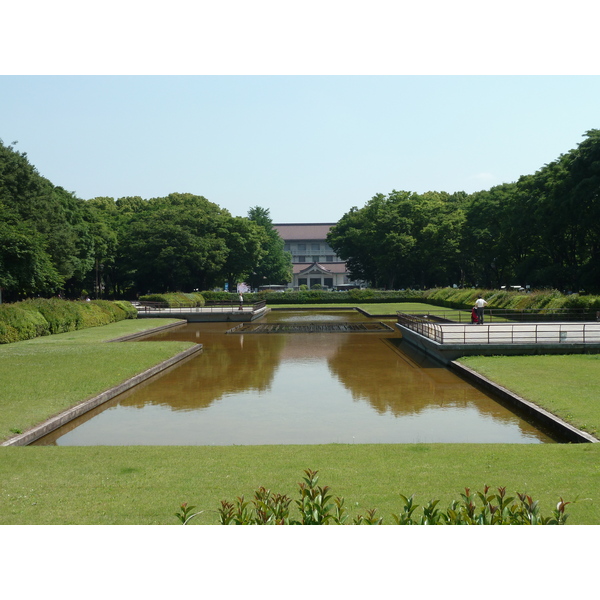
[
  {"x": 46, "y": 375},
  {"x": 566, "y": 385}
]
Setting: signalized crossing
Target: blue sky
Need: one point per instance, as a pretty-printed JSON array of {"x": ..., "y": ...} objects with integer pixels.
[
  {"x": 307, "y": 109},
  {"x": 308, "y": 148}
]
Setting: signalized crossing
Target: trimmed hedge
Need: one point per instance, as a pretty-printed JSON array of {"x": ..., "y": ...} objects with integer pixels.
[
  {"x": 317, "y": 297},
  {"x": 176, "y": 299},
  {"x": 542, "y": 301},
  {"x": 41, "y": 316},
  {"x": 130, "y": 310}
]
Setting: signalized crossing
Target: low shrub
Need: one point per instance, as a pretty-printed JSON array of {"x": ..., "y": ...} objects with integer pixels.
[
  {"x": 535, "y": 301},
  {"x": 317, "y": 296},
  {"x": 456, "y": 298},
  {"x": 316, "y": 506},
  {"x": 113, "y": 312},
  {"x": 129, "y": 309},
  {"x": 44, "y": 316},
  {"x": 197, "y": 298},
  {"x": 92, "y": 314},
  {"x": 62, "y": 315},
  {"x": 176, "y": 299},
  {"x": 20, "y": 322},
  {"x": 217, "y": 296},
  {"x": 8, "y": 333}
]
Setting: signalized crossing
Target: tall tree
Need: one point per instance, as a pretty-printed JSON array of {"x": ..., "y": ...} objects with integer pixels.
[
  {"x": 274, "y": 266},
  {"x": 175, "y": 243},
  {"x": 51, "y": 215},
  {"x": 244, "y": 240}
]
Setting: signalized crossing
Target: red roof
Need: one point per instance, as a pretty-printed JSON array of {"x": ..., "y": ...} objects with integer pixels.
[{"x": 303, "y": 231}]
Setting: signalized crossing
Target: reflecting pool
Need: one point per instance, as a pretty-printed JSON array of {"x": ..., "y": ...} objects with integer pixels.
[{"x": 299, "y": 388}]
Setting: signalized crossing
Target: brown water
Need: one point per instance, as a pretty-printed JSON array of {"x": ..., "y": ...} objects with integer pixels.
[{"x": 303, "y": 388}]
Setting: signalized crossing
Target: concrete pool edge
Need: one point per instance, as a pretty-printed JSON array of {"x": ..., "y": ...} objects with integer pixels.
[
  {"x": 547, "y": 419},
  {"x": 53, "y": 423},
  {"x": 147, "y": 332}
]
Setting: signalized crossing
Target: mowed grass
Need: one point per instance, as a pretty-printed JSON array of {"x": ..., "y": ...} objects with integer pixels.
[
  {"x": 566, "y": 385},
  {"x": 146, "y": 484},
  {"x": 390, "y": 308},
  {"x": 44, "y": 376},
  {"x": 419, "y": 308}
]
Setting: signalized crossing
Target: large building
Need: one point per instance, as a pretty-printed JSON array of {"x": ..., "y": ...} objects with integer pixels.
[{"x": 313, "y": 260}]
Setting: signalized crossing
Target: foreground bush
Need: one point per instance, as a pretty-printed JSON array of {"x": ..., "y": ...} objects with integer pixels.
[
  {"x": 316, "y": 506},
  {"x": 42, "y": 316}
]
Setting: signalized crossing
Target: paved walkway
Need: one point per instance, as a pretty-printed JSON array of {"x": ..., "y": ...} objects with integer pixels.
[
  {"x": 519, "y": 333},
  {"x": 449, "y": 341},
  {"x": 205, "y": 313}
]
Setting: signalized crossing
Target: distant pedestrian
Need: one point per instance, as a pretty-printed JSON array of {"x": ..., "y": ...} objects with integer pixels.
[
  {"x": 479, "y": 304},
  {"x": 241, "y": 297}
]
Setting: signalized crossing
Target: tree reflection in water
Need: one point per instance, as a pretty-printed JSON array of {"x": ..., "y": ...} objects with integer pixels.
[{"x": 307, "y": 388}]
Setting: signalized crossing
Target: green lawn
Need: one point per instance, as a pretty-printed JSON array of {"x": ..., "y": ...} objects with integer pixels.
[
  {"x": 462, "y": 316},
  {"x": 46, "y": 375},
  {"x": 146, "y": 485},
  {"x": 376, "y": 308},
  {"x": 567, "y": 386}
]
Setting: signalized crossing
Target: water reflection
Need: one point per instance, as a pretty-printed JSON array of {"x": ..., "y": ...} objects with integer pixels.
[{"x": 299, "y": 389}]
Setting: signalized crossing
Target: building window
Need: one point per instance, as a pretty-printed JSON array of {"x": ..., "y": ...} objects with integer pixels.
[
  {"x": 302, "y": 281},
  {"x": 329, "y": 258},
  {"x": 316, "y": 247},
  {"x": 315, "y": 281},
  {"x": 301, "y": 247},
  {"x": 315, "y": 259},
  {"x": 328, "y": 282},
  {"x": 301, "y": 259},
  {"x": 286, "y": 247}
]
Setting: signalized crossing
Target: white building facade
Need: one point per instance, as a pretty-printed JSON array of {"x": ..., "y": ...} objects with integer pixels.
[{"x": 313, "y": 260}]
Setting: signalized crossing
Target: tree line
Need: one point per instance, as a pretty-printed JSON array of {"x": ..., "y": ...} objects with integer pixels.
[
  {"x": 542, "y": 230},
  {"x": 52, "y": 242}
]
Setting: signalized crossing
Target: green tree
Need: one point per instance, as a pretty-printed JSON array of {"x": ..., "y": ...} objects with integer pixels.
[
  {"x": 274, "y": 267},
  {"x": 52, "y": 217},
  {"x": 173, "y": 244},
  {"x": 403, "y": 239},
  {"x": 104, "y": 220},
  {"x": 25, "y": 266},
  {"x": 244, "y": 240}
]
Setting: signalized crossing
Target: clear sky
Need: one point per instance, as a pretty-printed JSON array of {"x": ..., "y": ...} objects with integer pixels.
[
  {"x": 308, "y": 148},
  {"x": 307, "y": 109}
]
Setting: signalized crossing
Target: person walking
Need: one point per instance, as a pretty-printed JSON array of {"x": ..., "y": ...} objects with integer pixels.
[
  {"x": 241, "y": 297},
  {"x": 479, "y": 304}
]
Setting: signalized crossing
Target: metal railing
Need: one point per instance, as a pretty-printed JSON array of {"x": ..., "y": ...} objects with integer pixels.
[
  {"x": 493, "y": 315},
  {"x": 504, "y": 333},
  {"x": 423, "y": 326},
  {"x": 226, "y": 305}
]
